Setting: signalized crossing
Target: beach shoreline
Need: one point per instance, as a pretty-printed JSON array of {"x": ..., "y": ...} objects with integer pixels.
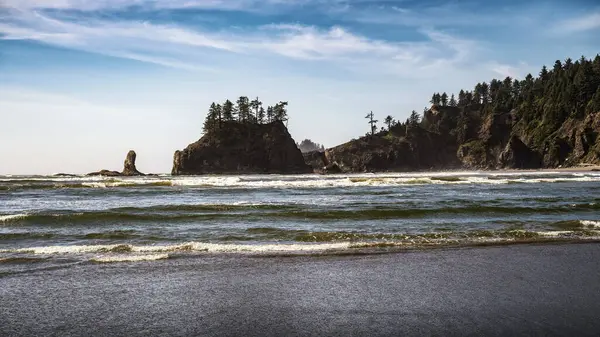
[{"x": 508, "y": 290}]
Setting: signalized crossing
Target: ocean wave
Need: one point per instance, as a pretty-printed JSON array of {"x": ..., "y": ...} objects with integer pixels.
[
  {"x": 589, "y": 223},
  {"x": 21, "y": 260},
  {"x": 12, "y": 217},
  {"x": 184, "y": 247},
  {"x": 555, "y": 233},
  {"x": 260, "y": 212},
  {"x": 289, "y": 241},
  {"x": 298, "y": 181},
  {"x": 129, "y": 258}
]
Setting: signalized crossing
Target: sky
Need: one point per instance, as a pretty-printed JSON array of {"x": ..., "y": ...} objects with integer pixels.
[{"x": 84, "y": 81}]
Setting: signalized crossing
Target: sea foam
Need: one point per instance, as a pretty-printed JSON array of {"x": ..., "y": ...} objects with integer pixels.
[
  {"x": 190, "y": 246},
  {"x": 589, "y": 223},
  {"x": 130, "y": 258},
  {"x": 12, "y": 217}
]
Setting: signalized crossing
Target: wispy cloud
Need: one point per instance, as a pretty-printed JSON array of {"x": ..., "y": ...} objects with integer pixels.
[
  {"x": 579, "y": 24},
  {"x": 184, "y": 47},
  {"x": 90, "y": 5},
  {"x": 306, "y": 42},
  {"x": 519, "y": 70}
]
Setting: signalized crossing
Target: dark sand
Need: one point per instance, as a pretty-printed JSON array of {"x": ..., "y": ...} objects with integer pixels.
[{"x": 503, "y": 291}]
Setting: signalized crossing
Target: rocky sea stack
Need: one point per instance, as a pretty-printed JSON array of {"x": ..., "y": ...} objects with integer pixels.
[
  {"x": 129, "y": 168},
  {"x": 237, "y": 147}
]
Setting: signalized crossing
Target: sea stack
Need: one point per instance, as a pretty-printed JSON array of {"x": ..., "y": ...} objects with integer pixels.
[
  {"x": 129, "y": 168},
  {"x": 244, "y": 148}
]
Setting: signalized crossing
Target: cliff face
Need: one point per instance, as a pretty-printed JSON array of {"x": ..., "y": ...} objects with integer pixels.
[
  {"x": 466, "y": 138},
  {"x": 242, "y": 148},
  {"x": 408, "y": 149}
]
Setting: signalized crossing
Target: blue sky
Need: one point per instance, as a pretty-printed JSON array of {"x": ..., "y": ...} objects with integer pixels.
[{"x": 84, "y": 81}]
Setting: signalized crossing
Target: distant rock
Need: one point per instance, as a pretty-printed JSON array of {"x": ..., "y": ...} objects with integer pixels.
[
  {"x": 66, "y": 175},
  {"x": 235, "y": 148},
  {"x": 105, "y": 173},
  {"x": 129, "y": 168}
]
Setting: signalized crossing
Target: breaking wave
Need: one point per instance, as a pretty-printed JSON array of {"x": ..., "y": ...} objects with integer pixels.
[
  {"x": 295, "y": 181},
  {"x": 12, "y": 217},
  {"x": 129, "y": 258},
  {"x": 186, "y": 213},
  {"x": 589, "y": 223}
]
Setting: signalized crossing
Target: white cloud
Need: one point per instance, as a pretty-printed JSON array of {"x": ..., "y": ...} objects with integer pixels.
[
  {"x": 91, "y": 5},
  {"x": 307, "y": 42},
  {"x": 184, "y": 48},
  {"x": 579, "y": 24}
]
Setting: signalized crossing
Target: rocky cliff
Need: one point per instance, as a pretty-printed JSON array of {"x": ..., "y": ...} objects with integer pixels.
[
  {"x": 401, "y": 149},
  {"x": 548, "y": 121},
  {"x": 461, "y": 138},
  {"x": 241, "y": 148}
]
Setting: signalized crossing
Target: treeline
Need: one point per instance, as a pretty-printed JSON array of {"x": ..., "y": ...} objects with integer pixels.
[
  {"x": 569, "y": 89},
  {"x": 538, "y": 105},
  {"x": 391, "y": 123},
  {"x": 243, "y": 111}
]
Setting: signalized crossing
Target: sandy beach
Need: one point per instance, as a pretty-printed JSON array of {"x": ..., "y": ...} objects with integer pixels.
[{"x": 548, "y": 290}]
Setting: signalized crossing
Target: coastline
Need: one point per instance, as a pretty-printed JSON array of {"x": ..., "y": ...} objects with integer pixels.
[{"x": 509, "y": 290}]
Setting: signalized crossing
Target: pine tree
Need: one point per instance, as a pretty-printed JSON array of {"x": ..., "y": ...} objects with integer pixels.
[
  {"x": 436, "y": 99},
  {"x": 255, "y": 105},
  {"x": 414, "y": 118},
  {"x": 280, "y": 111},
  {"x": 270, "y": 114},
  {"x": 389, "y": 120},
  {"x": 227, "y": 111},
  {"x": 211, "y": 121},
  {"x": 469, "y": 97},
  {"x": 462, "y": 100},
  {"x": 452, "y": 101},
  {"x": 219, "y": 115},
  {"x": 444, "y": 99},
  {"x": 485, "y": 93},
  {"x": 260, "y": 118},
  {"x": 372, "y": 122},
  {"x": 478, "y": 93},
  {"x": 243, "y": 109}
]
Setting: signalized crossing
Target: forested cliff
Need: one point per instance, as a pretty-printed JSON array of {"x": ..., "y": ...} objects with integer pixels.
[{"x": 545, "y": 121}]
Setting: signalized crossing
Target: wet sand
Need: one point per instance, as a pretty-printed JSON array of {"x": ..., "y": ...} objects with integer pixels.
[{"x": 493, "y": 291}]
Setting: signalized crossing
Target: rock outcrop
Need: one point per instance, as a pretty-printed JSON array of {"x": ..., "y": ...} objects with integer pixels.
[
  {"x": 400, "y": 149},
  {"x": 129, "y": 168},
  {"x": 465, "y": 138},
  {"x": 517, "y": 155},
  {"x": 245, "y": 148}
]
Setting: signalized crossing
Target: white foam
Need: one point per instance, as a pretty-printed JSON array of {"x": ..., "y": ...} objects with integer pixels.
[
  {"x": 190, "y": 246},
  {"x": 10, "y": 217},
  {"x": 324, "y": 181},
  {"x": 554, "y": 233},
  {"x": 589, "y": 223},
  {"x": 75, "y": 249},
  {"x": 130, "y": 258}
]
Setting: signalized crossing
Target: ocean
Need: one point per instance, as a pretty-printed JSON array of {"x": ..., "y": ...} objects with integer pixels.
[{"x": 49, "y": 221}]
